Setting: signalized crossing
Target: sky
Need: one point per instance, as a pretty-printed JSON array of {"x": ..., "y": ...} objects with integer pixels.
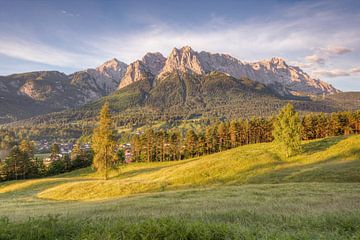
[{"x": 321, "y": 37}]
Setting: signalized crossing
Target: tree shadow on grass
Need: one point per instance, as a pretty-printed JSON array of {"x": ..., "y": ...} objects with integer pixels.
[
  {"x": 320, "y": 145},
  {"x": 135, "y": 172},
  {"x": 331, "y": 169}
]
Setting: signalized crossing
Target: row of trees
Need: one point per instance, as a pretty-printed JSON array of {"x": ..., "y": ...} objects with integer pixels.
[{"x": 162, "y": 145}]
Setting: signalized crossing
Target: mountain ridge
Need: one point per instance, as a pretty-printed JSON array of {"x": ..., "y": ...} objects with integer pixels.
[{"x": 55, "y": 91}]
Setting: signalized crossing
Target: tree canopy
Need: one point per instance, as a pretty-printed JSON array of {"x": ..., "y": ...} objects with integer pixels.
[{"x": 287, "y": 130}]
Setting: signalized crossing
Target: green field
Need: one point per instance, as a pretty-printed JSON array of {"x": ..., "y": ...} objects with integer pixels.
[{"x": 250, "y": 192}]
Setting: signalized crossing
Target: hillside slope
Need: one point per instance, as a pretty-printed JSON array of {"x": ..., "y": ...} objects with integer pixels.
[
  {"x": 229, "y": 195},
  {"x": 327, "y": 160}
]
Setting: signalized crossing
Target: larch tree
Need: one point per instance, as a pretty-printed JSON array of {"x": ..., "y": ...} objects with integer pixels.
[
  {"x": 103, "y": 142},
  {"x": 287, "y": 130},
  {"x": 233, "y": 131},
  {"x": 191, "y": 143}
]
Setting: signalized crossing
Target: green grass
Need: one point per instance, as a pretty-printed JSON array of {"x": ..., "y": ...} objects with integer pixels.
[
  {"x": 326, "y": 160},
  {"x": 249, "y": 192}
]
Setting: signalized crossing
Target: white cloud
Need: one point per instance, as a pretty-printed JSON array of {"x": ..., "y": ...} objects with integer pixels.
[
  {"x": 42, "y": 53},
  {"x": 331, "y": 73},
  {"x": 355, "y": 70},
  {"x": 322, "y": 55},
  {"x": 315, "y": 59},
  {"x": 300, "y": 35}
]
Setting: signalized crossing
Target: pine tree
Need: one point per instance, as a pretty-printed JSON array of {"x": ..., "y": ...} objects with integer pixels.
[
  {"x": 136, "y": 148},
  {"x": 209, "y": 139},
  {"x": 222, "y": 134},
  {"x": 103, "y": 142},
  {"x": 27, "y": 154},
  {"x": 233, "y": 131},
  {"x": 190, "y": 143},
  {"x": 14, "y": 162},
  {"x": 287, "y": 130},
  {"x": 149, "y": 144},
  {"x": 175, "y": 145}
]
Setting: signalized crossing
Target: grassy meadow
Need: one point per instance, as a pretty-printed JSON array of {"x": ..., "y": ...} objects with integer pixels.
[{"x": 250, "y": 192}]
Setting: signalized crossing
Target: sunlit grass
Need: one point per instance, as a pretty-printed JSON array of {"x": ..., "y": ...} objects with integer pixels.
[
  {"x": 250, "y": 192},
  {"x": 326, "y": 160}
]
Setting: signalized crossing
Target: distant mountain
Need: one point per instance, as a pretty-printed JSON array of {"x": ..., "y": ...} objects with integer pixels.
[
  {"x": 48, "y": 91},
  {"x": 267, "y": 72},
  {"x": 28, "y": 94},
  {"x": 99, "y": 82}
]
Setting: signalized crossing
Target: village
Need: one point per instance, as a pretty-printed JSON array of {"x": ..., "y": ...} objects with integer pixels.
[{"x": 43, "y": 150}]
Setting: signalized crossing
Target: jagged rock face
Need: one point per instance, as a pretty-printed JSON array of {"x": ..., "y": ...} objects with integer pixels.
[
  {"x": 182, "y": 60},
  {"x": 44, "y": 86},
  {"x": 154, "y": 61},
  {"x": 276, "y": 70},
  {"x": 223, "y": 63},
  {"x": 267, "y": 72},
  {"x": 137, "y": 71},
  {"x": 102, "y": 80},
  {"x": 87, "y": 86}
]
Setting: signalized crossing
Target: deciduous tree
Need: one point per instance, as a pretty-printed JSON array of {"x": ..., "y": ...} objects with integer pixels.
[{"x": 287, "y": 130}]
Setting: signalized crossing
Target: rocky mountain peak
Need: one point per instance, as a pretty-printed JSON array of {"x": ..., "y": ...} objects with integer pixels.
[
  {"x": 154, "y": 61},
  {"x": 136, "y": 71},
  {"x": 182, "y": 60},
  {"x": 272, "y": 71},
  {"x": 279, "y": 62},
  {"x": 113, "y": 69}
]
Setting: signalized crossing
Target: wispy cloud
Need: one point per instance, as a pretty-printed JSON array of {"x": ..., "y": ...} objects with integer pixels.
[
  {"x": 35, "y": 51},
  {"x": 331, "y": 73},
  {"x": 355, "y": 70},
  {"x": 322, "y": 55},
  {"x": 301, "y": 36}
]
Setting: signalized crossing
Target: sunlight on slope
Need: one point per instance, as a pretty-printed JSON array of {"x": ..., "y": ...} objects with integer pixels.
[
  {"x": 21, "y": 184},
  {"x": 327, "y": 160}
]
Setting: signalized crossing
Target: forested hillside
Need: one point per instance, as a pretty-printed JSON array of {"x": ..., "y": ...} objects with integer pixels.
[{"x": 178, "y": 97}]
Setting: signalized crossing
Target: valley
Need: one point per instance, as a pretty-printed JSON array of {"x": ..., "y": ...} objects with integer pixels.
[{"x": 179, "y": 120}]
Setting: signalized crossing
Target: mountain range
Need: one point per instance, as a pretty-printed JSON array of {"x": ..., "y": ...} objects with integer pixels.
[{"x": 29, "y": 94}]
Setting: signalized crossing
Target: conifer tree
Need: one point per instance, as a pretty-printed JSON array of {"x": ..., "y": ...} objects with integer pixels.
[
  {"x": 287, "y": 130},
  {"x": 175, "y": 145},
  {"x": 14, "y": 162},
  {"x": 233, "y": 131},
  {"x": 103, "y": 142},
  {"x": 149, "y": 144},
  {"x": 27, "y": 154},
  {"x": 222, "y": 134},
  {"x": 191, "y": 143},
  {"x": 136, "y": 148},
  {"x": 209, "y": 136}
]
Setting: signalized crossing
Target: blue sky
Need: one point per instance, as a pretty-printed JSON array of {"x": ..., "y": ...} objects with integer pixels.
[{"x": 322, "y": 37}]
